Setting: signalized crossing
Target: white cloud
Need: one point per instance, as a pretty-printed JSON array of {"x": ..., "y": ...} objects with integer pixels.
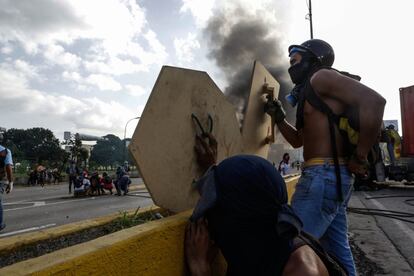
[
  {"x": 56, "y": 54},
  {"x": 135, "y": 90},
  {"x": 103, "y": 82},
  {"x": 185, "y": 47},
  {"x": 116, "y": 31},
  {"x": 72, "y": 76},
  {"x": 115, "y": 66},
  {"x": 6, "y": 50},
  {"x": 27, "y": 70},
  {"x": 201, "y": 10},
  {"x": 93, "y": 115}
]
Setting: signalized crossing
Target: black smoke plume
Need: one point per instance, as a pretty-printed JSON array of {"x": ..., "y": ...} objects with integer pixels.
[{"x": 235, "y": 40}]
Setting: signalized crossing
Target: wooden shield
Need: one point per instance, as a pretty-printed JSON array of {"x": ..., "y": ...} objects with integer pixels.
[
  {"x": 163, "y": 142},
  {"x": 258, "y": 128}
]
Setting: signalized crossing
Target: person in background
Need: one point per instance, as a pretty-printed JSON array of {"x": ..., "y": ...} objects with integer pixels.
[
  {"x": 96, "y": 186},
  {"x": 6, "y": 178},
  {"x": 106, "y": 182},
  {"x": 126, "y": 167},
  {"x": 122, "y": 185},
  {"x": 284, "y": 166},
  {"x": 73, "y": 171}
]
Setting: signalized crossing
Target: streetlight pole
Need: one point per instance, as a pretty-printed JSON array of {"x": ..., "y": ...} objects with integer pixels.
[
  {"x": 310, "y": 18},
  {"x": 125, "y": 134}
]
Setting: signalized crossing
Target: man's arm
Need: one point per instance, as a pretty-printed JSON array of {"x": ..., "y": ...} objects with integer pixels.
[
  {"x": 331, "y": 84},
  {"x": 291, "y": 134},
  {"x": 274, "y": 108},
  {"x": 9, "y": 173}
]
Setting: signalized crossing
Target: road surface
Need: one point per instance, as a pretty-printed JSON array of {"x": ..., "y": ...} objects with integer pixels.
[{"x": 29, "y": 209}]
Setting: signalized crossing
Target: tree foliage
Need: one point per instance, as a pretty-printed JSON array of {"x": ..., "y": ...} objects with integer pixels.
[
  {"x": 108, "y": 152},
  {"x": 37, "y": 145}
]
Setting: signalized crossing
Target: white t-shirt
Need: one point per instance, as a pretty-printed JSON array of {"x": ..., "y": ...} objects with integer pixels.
[{"x": 284, "y": 168}]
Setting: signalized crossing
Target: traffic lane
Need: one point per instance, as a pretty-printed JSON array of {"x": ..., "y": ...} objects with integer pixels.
[
  {"x": 400, "y": 233},
  {"x": 62, "y": 211},
  {"x": 34, "y": 193}
]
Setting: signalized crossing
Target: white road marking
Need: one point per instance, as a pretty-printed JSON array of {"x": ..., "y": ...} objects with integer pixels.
[
  {"x": 403, "y": 227},
  {"x": 46, "y": 204},
  {"x": 26, "y": 230}
]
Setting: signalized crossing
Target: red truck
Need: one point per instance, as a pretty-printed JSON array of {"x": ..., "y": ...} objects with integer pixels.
[{"x": 403, "y": 167}]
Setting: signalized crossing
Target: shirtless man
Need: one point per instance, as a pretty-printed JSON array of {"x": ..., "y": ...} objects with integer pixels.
[{"x": 316, "y": 199}]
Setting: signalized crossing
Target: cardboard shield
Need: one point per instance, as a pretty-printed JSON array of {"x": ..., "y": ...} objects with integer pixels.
[
  {"x": 163, "y": 142},
  {"x": 258, "y": 128}
]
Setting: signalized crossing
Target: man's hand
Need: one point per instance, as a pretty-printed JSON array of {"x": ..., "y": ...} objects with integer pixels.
[
  {"x": 275, "y": 109},
  {"x": 198, "y": 248},
  {"x": 206, "y": 152},
  {"x": 358, "y": 166},
  {"x": 9, "y": 187}
]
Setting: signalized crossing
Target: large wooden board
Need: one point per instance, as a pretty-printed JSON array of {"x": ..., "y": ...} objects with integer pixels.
[
  {"x": 257, "y": 125},
  {"x": 163, "y": 142}
]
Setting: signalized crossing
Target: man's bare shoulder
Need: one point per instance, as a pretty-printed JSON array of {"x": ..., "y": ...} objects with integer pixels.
[
  {"x": 324, "y": 80},
  {"x": 331, "y": 83}
]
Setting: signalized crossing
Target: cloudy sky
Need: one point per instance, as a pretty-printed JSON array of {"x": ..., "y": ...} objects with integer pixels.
[{"x": 89, "y": 65}]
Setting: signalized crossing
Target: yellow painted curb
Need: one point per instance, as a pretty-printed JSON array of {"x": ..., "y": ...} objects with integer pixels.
[
  {"x": 291, "y": 186},
  {"x": 15, "y": 242},
  {"x": 153, "y": 248}
]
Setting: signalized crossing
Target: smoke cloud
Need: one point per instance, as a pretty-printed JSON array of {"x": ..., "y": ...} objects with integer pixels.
[{"x": 236, "y": 37}]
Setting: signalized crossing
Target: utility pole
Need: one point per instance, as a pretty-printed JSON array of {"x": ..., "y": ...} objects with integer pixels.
[{"x": 310, "y": 18}]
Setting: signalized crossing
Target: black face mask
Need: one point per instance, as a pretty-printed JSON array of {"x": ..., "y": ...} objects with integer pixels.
[{"x": 299, "y": 71}]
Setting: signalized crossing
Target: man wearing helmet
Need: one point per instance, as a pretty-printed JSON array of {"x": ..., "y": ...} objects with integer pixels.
[{"x": 324, "y": 189}]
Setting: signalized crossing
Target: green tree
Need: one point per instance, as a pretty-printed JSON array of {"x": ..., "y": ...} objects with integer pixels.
[
  {"x": 108, "y": 152},
  {"x": 38, "y": 145}
]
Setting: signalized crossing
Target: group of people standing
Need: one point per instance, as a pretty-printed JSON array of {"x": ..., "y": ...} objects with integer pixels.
[{"x": 42, "y": 175}]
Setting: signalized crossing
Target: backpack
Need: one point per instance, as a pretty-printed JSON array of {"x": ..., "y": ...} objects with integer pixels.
[{"x": 347, "y": 122}]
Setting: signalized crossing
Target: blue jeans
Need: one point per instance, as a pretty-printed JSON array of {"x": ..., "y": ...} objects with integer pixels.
[
  {"x": 1, "y": 203},
  {"x": 315, "y": 201}
]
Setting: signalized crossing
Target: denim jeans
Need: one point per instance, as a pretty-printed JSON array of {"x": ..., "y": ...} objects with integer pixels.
[
  {"x": 2, "y": 187},
  {"x": 315, "y": 201}
]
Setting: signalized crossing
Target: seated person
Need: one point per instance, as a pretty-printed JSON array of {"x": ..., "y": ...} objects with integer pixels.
[
  {"x": 96, "y": 184},
  {"x": 106, "y": 182},
  {"x": 243, "y": 208},
  {"x": 82, "y": 186}
]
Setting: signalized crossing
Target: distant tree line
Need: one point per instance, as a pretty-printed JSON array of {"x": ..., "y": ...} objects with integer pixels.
[
  {"x": 39, "y": 146},
  {"x": 35, "y": 146},
  {"x": 109, "y": 152}
]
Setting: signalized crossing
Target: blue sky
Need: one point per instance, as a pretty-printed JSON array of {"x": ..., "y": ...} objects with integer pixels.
[{"x": 89, "y": 65}]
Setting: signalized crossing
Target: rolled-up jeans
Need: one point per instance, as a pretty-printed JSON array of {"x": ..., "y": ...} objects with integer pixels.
[
  {"x": 316, "y": 202},
  {"x": 2, "y": 187}
]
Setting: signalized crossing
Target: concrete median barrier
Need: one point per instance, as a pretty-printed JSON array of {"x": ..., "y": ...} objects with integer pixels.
[{"x": 153, "y": 248}]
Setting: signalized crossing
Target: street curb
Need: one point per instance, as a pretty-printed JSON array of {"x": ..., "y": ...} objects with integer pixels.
[{"x": 13, "y": 243}]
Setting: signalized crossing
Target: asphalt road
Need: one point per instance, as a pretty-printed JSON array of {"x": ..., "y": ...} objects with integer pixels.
[
  {"x": 400, "y": 233},
  {"x": 29, "y": 209}
]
